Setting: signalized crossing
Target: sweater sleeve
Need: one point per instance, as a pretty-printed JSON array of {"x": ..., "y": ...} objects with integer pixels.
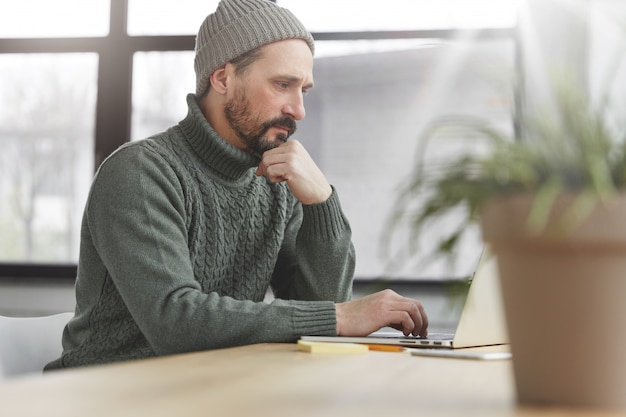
[
  {"x": 137, "y": 221},
  {"x": 317, "y": 258}
]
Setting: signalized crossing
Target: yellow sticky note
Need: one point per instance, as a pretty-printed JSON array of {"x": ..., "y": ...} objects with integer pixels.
[{"x": 331, "y": 347}]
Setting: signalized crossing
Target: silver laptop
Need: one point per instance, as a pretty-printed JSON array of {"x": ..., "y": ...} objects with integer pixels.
[{"x": 481, "y": 322}]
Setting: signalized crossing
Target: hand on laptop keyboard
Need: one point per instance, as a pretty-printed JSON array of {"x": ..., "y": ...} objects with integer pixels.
[{"x": 386, "y": 308}]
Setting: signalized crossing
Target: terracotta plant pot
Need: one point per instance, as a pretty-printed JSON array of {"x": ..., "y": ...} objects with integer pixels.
[{"x": 564, "y": 299}]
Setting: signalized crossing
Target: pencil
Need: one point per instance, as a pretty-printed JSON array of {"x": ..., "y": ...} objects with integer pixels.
[{"x": 386, "y": 348}]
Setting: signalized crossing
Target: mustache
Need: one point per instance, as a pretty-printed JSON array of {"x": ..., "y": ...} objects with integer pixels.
[{"x": 285, "y": 122}]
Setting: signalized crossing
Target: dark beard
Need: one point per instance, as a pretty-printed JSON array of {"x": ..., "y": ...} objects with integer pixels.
[{"x": 237, "y": 112}]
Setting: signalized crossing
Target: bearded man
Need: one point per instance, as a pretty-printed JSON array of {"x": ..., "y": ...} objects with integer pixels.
[{"x": 185, "y": 232}]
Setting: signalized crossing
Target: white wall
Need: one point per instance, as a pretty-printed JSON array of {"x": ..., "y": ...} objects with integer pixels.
[{"x": 25, "y": 299}]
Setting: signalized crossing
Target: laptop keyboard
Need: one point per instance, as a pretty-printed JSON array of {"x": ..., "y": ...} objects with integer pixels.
[{"x": 431, "y": 336}]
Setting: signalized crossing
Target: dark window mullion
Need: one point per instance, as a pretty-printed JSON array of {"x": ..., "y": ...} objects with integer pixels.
[{"x": 113, "y": 106}]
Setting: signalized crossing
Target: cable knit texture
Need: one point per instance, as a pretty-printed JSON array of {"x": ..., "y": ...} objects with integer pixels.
[{"x": 180, "y": 242}]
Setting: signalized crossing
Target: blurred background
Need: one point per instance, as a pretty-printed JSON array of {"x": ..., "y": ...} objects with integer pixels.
[{"x": 78, "y": 78}]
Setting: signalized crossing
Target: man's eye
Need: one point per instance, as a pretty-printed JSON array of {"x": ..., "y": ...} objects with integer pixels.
[
  {"x": 305, "y": 91},
  {"x": 283, "y": 85}
]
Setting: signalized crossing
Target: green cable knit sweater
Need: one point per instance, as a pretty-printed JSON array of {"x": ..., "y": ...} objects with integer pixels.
[{"x": 180, "y": 242}]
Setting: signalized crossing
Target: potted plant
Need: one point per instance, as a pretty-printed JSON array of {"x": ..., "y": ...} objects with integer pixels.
[{"x": 550, "y": 201}]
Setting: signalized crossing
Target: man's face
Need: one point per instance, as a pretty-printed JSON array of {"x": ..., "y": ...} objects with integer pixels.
[
  {"x": 267, "y": 100},
  {"x": 252, "y": 129}
]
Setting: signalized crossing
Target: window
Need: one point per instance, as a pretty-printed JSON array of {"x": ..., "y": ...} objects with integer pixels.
[
  {"x": 381, "y": 72},
  {"x": 158, "y": 102},
  {"x": 47, "y": 108},
  {"x": 54, "y": 19},
  {"x": 397, "y": 15},
  {"x": 167, "y": 17}
]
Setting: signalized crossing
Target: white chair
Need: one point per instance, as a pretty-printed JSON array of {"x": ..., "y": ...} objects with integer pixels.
[{"x": 27, "y": 344}]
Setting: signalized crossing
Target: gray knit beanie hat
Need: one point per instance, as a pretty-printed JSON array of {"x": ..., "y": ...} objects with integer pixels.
[{"x": 237, "y": 27}]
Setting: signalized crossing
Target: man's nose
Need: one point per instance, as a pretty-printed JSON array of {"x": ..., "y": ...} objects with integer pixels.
[{"x": 295, "y": 107}]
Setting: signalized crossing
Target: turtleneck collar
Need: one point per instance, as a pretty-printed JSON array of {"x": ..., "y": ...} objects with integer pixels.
[{"x": 223, "y": 158}]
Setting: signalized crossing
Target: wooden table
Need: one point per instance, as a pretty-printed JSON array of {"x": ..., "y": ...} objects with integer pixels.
[{"x": 275, "y": 380}]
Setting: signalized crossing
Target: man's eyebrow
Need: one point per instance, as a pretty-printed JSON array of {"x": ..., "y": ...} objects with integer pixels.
[{"x": 295, "y": 79}]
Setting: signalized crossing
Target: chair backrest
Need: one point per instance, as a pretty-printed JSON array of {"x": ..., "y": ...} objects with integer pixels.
[{"x": 27, "y": 344}]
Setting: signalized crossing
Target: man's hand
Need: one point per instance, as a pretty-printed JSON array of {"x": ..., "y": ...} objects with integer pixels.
[
  {"x": 363, "y": 316},
  {"x": 292, "y": 163}
]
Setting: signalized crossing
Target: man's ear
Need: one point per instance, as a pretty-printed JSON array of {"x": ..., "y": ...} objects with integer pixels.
[{"x": 219, "y": 80}]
